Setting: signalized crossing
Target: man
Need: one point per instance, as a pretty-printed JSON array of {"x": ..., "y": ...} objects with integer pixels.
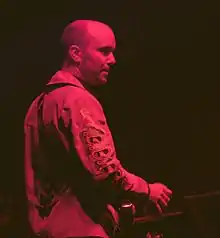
[{"x": 73, "y": 177}]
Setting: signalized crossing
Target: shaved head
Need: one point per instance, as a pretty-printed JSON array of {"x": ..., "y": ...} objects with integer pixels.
[
  {"x": 75, "y": 33},
  {"x": 89, "y": 47},
  {"x": 81, "y": 32}
]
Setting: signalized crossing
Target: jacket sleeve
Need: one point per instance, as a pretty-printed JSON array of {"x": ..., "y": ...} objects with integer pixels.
[{"x": 94, "y": 144}]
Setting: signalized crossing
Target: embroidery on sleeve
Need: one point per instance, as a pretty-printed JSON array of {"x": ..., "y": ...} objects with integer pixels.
[
  {"x": 99, "y": 146},
  {"x": 121, "y": 179}
]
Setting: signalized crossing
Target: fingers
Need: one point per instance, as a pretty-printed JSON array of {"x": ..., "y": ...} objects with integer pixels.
[
  {"x": 165, "y": 198},
  {"x": 163, "y": 202},
  {"x": 159, "y": 208},
  {"x": 168, "y": 191},
  {"x": 161, "y": 196}
]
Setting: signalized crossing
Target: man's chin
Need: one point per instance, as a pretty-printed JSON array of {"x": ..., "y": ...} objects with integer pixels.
[{"x": 102, "y": 80}]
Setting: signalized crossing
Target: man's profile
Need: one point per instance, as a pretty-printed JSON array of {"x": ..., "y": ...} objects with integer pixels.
[{"x": 73, "y": 177}]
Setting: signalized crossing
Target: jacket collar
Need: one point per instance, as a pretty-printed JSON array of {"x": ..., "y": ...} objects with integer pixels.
[{"x": 64, "y": 77}]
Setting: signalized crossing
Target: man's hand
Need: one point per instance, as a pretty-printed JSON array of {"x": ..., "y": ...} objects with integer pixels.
[{"x": 160, "y": 195}]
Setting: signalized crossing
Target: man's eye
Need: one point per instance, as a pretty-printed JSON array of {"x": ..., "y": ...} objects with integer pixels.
[{"x": 105, "y": 52}]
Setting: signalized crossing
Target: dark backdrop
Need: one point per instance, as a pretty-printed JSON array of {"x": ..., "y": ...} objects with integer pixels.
[{"x": 162, "y": 99}]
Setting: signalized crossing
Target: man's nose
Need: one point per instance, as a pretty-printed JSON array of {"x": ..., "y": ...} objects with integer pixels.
[{"x": 111, "y": 59}]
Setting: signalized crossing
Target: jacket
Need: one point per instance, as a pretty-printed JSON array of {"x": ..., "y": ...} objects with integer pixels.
[{"x": 74, "y": 179}]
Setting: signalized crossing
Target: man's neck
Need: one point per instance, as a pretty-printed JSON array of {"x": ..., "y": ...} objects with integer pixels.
[
  {"x": 73, "y": 70},
  {"x": 76, "y": 73}
]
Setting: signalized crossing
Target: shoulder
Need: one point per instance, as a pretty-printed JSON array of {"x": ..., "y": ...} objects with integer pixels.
[
  {"x": 31, "y": 114},
  {"x": 81, "y": 98},
  {"x": 70, "y": 95}
]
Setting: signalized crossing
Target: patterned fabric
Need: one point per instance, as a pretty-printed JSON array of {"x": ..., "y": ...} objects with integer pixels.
[{"x": 72, "y": 171}]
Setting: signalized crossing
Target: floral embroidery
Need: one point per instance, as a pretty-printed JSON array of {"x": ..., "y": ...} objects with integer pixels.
[{"x": 98, "y": 143}]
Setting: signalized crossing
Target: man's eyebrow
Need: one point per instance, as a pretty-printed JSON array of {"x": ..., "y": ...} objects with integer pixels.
[{"x": 108, "y": 48}]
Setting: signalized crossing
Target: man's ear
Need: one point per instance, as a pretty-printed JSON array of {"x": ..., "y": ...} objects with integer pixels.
[{"x": 75, "y": 53}]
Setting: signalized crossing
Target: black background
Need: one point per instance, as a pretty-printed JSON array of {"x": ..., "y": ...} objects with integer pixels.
[{"x": 162, "y": 99}]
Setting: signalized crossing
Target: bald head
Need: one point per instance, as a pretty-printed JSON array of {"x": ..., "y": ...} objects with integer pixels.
[{"x": 81, "y": 32}]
